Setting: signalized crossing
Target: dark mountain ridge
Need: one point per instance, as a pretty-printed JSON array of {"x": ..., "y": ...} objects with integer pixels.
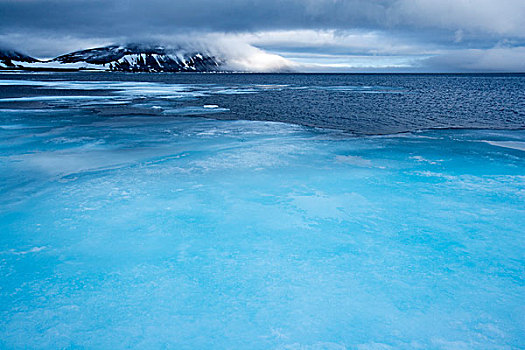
[
  {"x": 8, "y": 56},
  {"x": 124, "y": 58}
]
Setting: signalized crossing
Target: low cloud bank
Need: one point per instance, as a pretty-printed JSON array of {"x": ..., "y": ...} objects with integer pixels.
[
  {"x": 498, "y": 59},
  {"x": 241, "y": 56},
  {"x": 310, "y": 51}
]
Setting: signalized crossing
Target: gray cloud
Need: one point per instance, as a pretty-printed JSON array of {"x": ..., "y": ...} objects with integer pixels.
[
  {"x": 95, "y": 17},
  {"x": 499, "y": 59},
  {"x": 439, "y": 32}
]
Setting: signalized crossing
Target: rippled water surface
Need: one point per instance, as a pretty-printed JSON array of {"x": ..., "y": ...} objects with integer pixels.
[
  {"x": 363, "y": 104},
  {"x": 262, "y": 211}
]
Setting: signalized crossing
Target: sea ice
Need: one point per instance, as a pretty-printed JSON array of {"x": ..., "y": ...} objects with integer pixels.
[{"x": 158, "y": 231}]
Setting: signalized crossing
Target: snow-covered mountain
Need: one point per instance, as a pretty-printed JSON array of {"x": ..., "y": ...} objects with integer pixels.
[
  {"x": 200, "y": 57},
  {"x": 141, "y": 58},
  {"x": 125, "y": 58},
  {"x": 12, "y": 59}
]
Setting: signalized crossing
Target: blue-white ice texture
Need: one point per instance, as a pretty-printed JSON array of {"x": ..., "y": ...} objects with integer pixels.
[{"x": 186, "y": 233}]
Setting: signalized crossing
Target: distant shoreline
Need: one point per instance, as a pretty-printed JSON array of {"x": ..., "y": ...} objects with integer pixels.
[{"x": 88, "y": 70}]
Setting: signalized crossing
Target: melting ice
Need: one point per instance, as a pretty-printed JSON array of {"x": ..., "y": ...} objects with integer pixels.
[{"x": 152, "y": 231}]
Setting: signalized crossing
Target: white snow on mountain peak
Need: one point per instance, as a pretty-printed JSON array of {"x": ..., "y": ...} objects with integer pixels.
[{"x": 139, "y": 57}]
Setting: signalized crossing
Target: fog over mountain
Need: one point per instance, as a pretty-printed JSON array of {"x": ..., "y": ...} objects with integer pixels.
[
  {"x": 150, "y": 57},
  {"x": 311, "y": 35}
]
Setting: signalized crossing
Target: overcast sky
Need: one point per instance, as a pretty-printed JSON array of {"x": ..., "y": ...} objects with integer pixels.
[{"x": 316, "y": 35}]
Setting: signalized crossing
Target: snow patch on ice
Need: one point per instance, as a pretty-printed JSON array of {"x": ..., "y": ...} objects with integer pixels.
[
  {"x": 354, "y": 160},
  {"x": 24, "y": 252},
  {"x": 517, "y": 145},
  {"x": 424, "y": 160}
]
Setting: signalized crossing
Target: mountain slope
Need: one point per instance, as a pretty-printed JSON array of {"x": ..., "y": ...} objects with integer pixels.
[
  {"x": 140, "y": 58},
  {"x": 155, "y": 58},
  {"x": 13, "y": 59},
  {"x": 127, "y": 58}
]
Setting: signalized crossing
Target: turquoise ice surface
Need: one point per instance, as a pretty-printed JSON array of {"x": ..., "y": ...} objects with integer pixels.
[{"x": 168, "y": 231}]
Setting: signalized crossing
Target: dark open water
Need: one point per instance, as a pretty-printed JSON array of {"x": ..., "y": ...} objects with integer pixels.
[{"x": 364, "y": 104}]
